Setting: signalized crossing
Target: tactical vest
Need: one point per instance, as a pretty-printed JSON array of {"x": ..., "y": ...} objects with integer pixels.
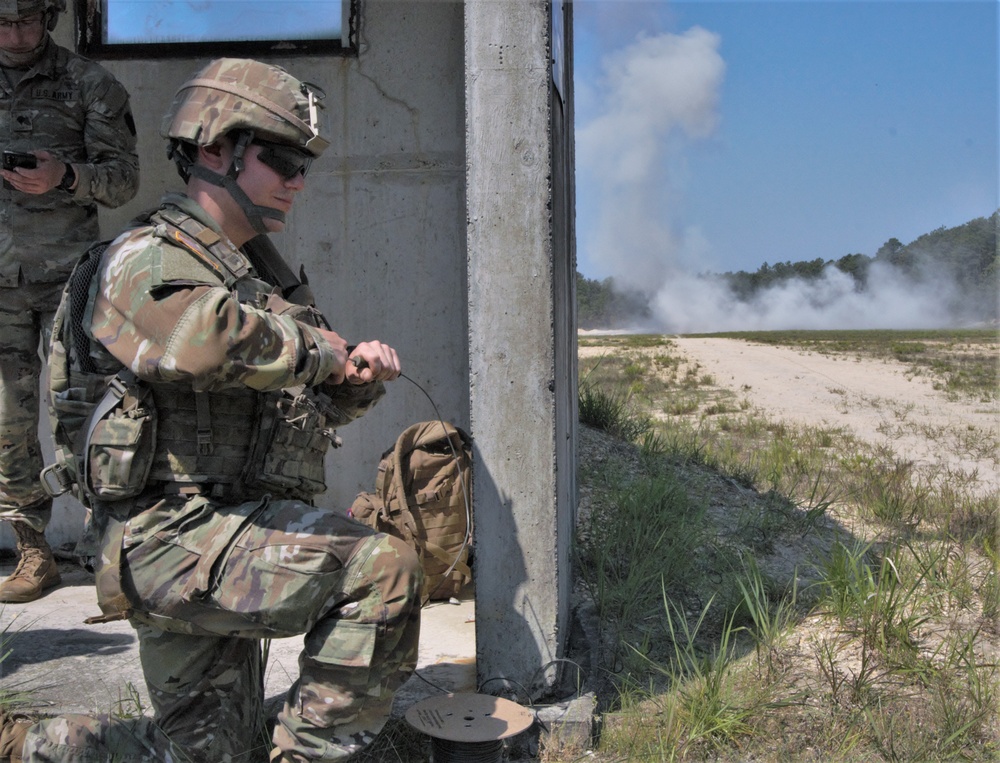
[{"x": 118, "y": 437}]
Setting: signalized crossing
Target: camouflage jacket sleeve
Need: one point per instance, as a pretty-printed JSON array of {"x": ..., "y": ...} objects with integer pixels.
[
  {"x": 189, "y": 328},
  {"x": 346, "y": 402},
  {"x": 106, "y": 164}
]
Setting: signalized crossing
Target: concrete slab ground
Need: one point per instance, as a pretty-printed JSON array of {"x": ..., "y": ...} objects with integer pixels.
[
  {"x": 62, "y": 665},
  {"x": 47, "y": 651}
]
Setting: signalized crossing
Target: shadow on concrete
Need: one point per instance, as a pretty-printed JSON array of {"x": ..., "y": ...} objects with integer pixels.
[{"x": 50, "y": 644}]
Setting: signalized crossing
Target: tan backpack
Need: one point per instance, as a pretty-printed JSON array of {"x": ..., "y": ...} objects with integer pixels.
[{"x": 423, "y": 495}]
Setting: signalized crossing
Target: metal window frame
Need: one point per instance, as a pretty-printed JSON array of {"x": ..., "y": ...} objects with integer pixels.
[{"x": 90, "y": 40}]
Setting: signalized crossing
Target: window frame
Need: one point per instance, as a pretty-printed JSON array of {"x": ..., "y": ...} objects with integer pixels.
[{"x": 90, "y": 27}]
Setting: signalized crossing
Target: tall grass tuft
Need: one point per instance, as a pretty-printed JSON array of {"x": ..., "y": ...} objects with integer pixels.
[
  {"x": 627, "y": 556},
  {"x": 612, "y": 412}
]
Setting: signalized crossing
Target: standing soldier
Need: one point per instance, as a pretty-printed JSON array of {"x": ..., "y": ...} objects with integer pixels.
[
  {"x": 70, "y": 122},
  {"x": 211, "y": 539}
]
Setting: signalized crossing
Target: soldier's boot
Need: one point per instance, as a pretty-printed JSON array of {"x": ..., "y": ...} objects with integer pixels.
[
  {"x": 13, "y": 731},
  {"x": 37, "y": 570}
]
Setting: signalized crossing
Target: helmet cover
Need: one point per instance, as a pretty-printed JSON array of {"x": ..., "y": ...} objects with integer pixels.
[
  {"x": 20, "y": 9},
  {"x": 242, "y": 94}
]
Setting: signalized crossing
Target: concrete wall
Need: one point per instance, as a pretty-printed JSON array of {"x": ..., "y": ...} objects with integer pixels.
[
  {"x": 380, "y": 227},
  {"x": 522, "y": 359}
]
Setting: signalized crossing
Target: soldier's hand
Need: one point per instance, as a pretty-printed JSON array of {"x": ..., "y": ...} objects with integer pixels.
[
  {"x": 43, "y": 178},
  {"x": 373, "y": 361}
]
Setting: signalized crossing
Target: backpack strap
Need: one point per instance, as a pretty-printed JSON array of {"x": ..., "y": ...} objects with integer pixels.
[
  {"x": 268, "y": 262},
  {"x": 404, "y": 445},
  {"x": 455, "y": 564}
]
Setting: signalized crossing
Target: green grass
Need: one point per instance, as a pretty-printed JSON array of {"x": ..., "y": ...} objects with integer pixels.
[{"x": 821, "y": 597}]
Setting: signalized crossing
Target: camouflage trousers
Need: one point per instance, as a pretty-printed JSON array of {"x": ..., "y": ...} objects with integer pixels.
[
  {"x": 208, "y": 582},
  {"x": 25, "y": 327}
]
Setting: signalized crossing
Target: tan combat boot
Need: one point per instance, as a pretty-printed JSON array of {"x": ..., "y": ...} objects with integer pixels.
[
  {"x": 13, "y": 731},
  {"x": 36, "y": 571}
]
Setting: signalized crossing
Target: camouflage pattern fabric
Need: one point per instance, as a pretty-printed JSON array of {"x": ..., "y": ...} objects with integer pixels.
[
  {"x": 198, "y": 336},
  {"x": 78, "y": 111},
  {"x": 25, "y": 321},
  {"x": 242, "y": 94},
  {"x": 23, "y": 8},
  {"x": 207, "y": 579},
  {"x": 75, "y": 109},
  {"x": 237, "y": 574}
]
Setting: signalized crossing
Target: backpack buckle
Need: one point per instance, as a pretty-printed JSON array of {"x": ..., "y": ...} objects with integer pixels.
[{"x": 55, "y": 480}]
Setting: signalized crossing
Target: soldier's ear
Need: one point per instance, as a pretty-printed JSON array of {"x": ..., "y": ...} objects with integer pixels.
[{"x": 215, "y": 156}]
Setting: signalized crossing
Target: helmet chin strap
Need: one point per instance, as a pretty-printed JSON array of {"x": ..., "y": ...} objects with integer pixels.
[{"x": 255, "y": 213}]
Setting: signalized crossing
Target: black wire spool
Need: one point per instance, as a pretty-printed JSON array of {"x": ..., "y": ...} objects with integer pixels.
[
  {"x": 468, "y": 728},
  {"x": 446, "y": 751}
]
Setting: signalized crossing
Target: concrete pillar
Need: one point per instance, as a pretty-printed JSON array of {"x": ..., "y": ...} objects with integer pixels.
[{"x": 522, "y": 363}]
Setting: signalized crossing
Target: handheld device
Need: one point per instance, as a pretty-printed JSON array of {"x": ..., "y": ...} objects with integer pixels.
[{"x": 12, "y": 159}]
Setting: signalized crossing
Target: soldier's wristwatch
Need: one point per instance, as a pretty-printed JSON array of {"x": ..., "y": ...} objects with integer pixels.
[{"x": 68, "y": 178}]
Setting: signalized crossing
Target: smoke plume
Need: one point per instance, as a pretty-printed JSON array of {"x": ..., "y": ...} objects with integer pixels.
[
  {"x": 658, "y": 97},
  {"x": 702, "y": 304}
]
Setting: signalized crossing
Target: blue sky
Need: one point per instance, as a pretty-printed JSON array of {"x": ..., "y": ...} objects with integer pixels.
[
  {"x": 716, "y": 136},
  {"x": 208, "y": 20}
]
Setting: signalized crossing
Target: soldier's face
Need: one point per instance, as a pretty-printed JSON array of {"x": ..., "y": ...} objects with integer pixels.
[
  {"x": 267, "y": 187},
  {"x": 21, "y": 35}
]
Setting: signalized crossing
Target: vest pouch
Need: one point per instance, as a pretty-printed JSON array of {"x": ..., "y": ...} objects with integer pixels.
[
  {"x": 120, "y": 443},
  {"x": 289, "y": 454}
]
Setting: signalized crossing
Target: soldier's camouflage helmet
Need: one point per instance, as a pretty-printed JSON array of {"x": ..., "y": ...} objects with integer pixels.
[
  {"x": 241, "y": 94},
  {"x": 21, "y": 9}
]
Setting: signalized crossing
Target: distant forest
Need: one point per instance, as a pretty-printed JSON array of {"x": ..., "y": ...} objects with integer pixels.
[{"x": 967, "y": 255}]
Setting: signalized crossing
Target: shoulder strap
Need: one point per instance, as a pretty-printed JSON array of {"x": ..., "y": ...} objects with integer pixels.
[
  {"x": 267, "y": 260},
  {"x": 112, "y": 396},
  {"x": 204, "y": 243}
]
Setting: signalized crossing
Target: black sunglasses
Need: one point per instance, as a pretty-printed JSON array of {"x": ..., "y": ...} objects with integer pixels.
[{"x": 287, "y": 161}]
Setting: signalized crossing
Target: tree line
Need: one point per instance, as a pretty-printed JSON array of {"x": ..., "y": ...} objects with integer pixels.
[
  {"x": 967, "y": 255},
  {"x": 602, "y": 304}
]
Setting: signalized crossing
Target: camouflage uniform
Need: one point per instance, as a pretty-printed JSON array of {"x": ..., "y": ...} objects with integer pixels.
[
  {"x": 75, "y": 109},
  {"x": 213, "y": 559}
]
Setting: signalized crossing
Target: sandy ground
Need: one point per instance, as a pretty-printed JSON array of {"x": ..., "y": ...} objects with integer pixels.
[{"x": 874, "y": 399}]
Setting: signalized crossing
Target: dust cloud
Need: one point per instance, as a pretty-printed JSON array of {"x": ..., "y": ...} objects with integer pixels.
[{"x": 691, "y": 304}]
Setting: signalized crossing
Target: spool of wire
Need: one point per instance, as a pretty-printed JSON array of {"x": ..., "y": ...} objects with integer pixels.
[
  {"x": 468, "y": 728},
  {"x": 445, "y": 751}
]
